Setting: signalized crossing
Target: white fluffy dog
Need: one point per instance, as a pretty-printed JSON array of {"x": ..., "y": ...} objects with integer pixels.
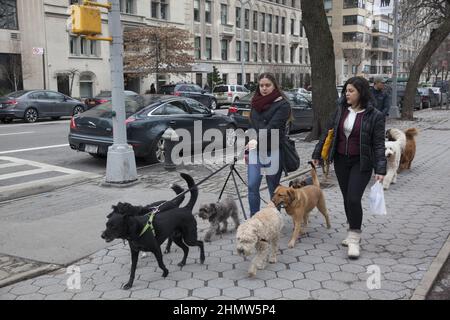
[
  {"x": 260, "y": 233},
  {"x": 397, "y": 135},
  {"x": 393, "y": 154}
]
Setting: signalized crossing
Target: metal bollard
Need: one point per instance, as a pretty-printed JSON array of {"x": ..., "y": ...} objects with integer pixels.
[{"x": 170, "y": 140}]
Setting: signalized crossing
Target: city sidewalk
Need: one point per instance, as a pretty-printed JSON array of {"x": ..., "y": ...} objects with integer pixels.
[{"x": 405, "y": 245}]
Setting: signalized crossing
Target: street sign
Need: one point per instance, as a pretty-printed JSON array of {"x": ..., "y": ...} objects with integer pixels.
[{"x": 38, "y": 51}]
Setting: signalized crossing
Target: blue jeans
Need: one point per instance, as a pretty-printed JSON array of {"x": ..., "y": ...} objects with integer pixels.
[{"x": 271, "y": 166}]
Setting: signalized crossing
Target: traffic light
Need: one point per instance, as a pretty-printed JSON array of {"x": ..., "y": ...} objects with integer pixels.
[{"x": 86, "y": 20}]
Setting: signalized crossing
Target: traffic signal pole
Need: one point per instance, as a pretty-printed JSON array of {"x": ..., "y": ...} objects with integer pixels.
[{"x": 121, "y": 163}]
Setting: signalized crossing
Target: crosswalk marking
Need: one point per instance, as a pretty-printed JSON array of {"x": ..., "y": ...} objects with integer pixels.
[{"x": 37, "y": 148}]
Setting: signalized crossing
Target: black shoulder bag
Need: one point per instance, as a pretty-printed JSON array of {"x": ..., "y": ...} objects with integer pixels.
[{"x": 290, "y": 160}]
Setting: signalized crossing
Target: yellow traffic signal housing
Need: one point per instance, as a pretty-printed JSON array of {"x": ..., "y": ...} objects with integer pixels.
[{"x": 86, "y": 20}]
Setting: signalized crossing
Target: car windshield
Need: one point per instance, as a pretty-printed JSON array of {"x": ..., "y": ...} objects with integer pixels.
[
  {"x": 220, "y": 89},
  {"x": 132, "y": 104},
  {"x": 16, "y": 94}
]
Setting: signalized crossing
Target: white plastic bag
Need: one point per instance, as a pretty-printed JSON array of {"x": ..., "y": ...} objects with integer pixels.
[{"x": 377, "y": 205}]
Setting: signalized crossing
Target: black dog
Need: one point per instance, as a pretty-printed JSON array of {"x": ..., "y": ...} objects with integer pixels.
[{"x": 128, "y": 221}]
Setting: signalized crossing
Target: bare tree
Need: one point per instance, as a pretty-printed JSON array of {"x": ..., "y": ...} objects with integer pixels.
[
  {"x": 354, "y": 57},
  {"x": 419, "y": 14},
  {"x": 323, "y": 73},
  {"x": 162, "y": 49}
]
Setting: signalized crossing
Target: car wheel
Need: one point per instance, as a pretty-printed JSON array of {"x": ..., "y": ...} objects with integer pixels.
[
  {"x": 157, "y": 152},
  {"x": 77, "y": 110},
  {"x": 213, "y": 104},
  {"x": 30, "y": 115},
  {"x": 229, "y": 140}
]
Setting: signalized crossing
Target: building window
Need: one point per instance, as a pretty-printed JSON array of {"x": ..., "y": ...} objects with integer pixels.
[
  {"x": 276, "y": 53},
  {"x": 292, "y": 54},
  {"x": 300, "y": 55},
  {"x": 263, "y": 52},
  {"x": 269, "y": 23},
  {"x": 263, "y": 22},
  {"x": 127, "y": 6},
  {"x": 225, "y": 77},
  {"x": 269, "y": 52},
  {"x": 354, "y": 69},
  {"x": 353, "y": 20},
  {"x": 80, "y": 46},
  {"x": 282, "y": 54},
  {"x": 247, "y": 77},
  {"x": 255, "y": 52},
  {"x": 238, "y": 17},
  {"x": 247, "y": 51},
  {"x": 255, "y": 20},
  {"x": 223, "y": 14},
  {"x": 208, "y": 11},
  {"x": 283, "y": 25},
  {"x": 197, "y": 10},
  {"x": 238, "y": 51},
  {"x": 160, "y": 9},
  {"x": 307, "y": 56},
  {"x": 292, "y": 26},
  {"x": 328, "y": 4},
  {"x": 8, "y": 15},
  {"x": 224, "y": 49},
  {"x": 301, "y": 29},
  {"x": 239, "y": 78},
  {"x": 329, "y": 19},
  {"x": 197, "y": 47},
  {"x": 247, "y": 19},
  {"x": 348, "y": 4},
  {"x": 208, "y": 48},
  {"x": 353, "y": 37},
  {"x": 277, "y": 24}
]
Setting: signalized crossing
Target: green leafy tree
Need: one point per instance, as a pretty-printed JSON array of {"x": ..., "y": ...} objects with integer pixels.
[{"x": 214, "y": 78}]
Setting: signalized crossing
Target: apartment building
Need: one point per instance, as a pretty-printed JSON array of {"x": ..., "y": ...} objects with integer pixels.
[{"x": 33, "y": 35}]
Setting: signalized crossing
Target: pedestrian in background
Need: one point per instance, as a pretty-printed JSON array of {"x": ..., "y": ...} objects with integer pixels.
[
  {"x": 382, "y": 98},
  {"x": 152, "y": 89},
  {"x": 270, "y": 110},
  {"x": 357, "y": 149}
]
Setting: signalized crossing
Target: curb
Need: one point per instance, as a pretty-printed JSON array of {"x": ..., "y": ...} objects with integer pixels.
[
  {"x": 428, "y": 280},
  {"x": 28, "y": 274},
  {"x": 46, "y": 185}
]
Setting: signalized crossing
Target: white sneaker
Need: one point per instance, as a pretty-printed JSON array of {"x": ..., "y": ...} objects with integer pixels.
[{"x": 353, "y": 240}]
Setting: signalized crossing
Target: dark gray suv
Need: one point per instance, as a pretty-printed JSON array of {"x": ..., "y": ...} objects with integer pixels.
[{"x": 192, "y": 91}]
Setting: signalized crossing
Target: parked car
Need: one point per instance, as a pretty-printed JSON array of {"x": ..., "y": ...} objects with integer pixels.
[
  {"x": 443, "y": 84},
  {"x": 192, "y": 91},
  {"x": 229, "y": 93},
  {"x": 307, "y": 94},
  {"x": 147, "y": 117},
  {"x": 441, "y": 95},
  {"x": 105, "y": 96},
  {"x": 31, "y": 105},
  {"x": 301, "y": 107},
  {"x": 401, "y": 95},
  {"x": 429, "y": 99}
]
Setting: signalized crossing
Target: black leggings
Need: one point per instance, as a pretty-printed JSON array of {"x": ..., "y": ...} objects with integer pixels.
[{"x": 352, "y": 182}]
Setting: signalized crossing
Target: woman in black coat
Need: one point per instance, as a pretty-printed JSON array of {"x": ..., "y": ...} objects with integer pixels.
[
  {"x": 357, "y": 149},
  {"x": 270, "y": 111}
]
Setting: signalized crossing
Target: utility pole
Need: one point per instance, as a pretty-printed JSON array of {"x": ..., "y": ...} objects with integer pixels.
[
  {"x": 121, "y": 162},
  {"x": 394, "y": 111}
]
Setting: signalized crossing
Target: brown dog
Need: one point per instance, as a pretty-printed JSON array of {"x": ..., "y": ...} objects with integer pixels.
[
  {"x": 410, "y": 149},
  {"x": 300, "y": 202}
]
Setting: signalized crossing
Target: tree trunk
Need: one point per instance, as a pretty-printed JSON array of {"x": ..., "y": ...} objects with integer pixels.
[
  {"x": 323, "y": 73},
  {"x": 436, "y": 38}
]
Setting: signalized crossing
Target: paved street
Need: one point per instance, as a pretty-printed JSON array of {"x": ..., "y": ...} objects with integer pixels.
[{"x": 402, "y": 245}]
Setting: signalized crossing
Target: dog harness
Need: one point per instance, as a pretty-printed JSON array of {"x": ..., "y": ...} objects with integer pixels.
[{"x": 149, "y": 224}]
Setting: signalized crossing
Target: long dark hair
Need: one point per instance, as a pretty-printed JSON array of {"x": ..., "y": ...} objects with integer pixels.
[
  {"x": 363, "y": 87},
  {"x": 271, "y": 77}
]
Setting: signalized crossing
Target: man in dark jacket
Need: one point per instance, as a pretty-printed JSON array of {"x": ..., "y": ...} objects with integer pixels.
[{"x": 382, "y": 98}]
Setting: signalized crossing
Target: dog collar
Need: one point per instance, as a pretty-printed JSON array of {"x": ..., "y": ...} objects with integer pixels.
[{"x": 149, "y": 224}]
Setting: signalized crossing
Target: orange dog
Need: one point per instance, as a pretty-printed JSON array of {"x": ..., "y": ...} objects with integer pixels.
[
  {"x": 410, "y": 149},
  {"x": 300, "y": 202}
]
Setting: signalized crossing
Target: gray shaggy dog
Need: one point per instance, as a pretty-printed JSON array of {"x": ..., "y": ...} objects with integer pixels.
[{"x": 217, "y": 213}]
